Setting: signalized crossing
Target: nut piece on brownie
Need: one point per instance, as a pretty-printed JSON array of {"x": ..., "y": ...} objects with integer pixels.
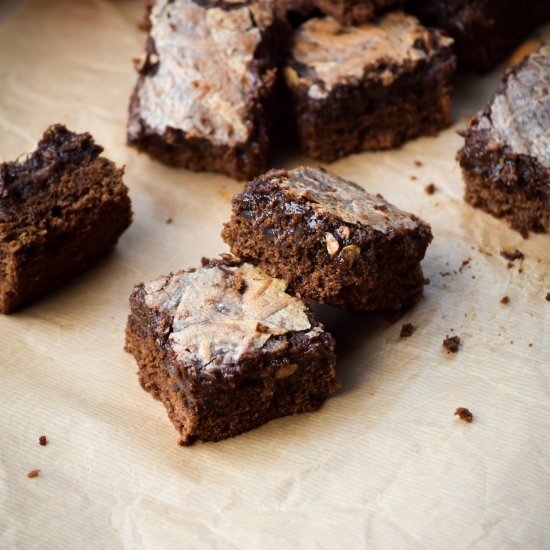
[
  {"x": 368, "y": 87},
  {"x": 329, "y": 239},
  {"x": 227, "y": 348},
  {"x": 206, "y": 84},
  {"x": 62, "y": 207},
  {"x": 506, "y": 156}
]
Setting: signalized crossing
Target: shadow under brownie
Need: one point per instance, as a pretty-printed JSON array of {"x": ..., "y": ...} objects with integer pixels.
[
  {"x": 329, "y": 239},
  {"x": 62, "y": 207},
  {"x": 227, "y": 348}
]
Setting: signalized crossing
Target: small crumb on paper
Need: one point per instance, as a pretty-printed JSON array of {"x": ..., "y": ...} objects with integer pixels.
[
  {"x": 407, "y": 330},
  {"x": 452, "y": 343},
  {"x": 464, "y": 414},
  {"x": 43, "y": 440},
  {"x": 505, "y": 300},
  {"x": 430, "y": 188},
  {"x": 33, "y": 473}
]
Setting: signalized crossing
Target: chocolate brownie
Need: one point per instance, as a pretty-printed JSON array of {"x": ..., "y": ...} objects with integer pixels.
[
  {"x": 485, "y": 31},
  {"x": 206, "y": 85},
  {"x": 329, "y": 239},
  {"x": 62, "y": 207},
  {"x": 372, "y": 86},
  {"x": 227, "y": 348},
  {"x": 351, "y": 12},
  {"x": 506, "y": 157}
]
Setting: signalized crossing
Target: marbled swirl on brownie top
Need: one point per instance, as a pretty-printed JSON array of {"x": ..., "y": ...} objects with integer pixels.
[
  {"x": 220, "y": 312},
  {"x": 326, "y": 54},
  {"x": 519, "y": 113},
  {"x": 346, "y": 200},
  {"x": 203, "y": 84}
]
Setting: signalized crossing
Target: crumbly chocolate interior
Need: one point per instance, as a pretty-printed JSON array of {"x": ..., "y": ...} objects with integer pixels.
[
  {"x": 352, "y": 12},
  {"x": 61, "y": 208},
  {"x": 359, "y": 252},
  {"x": 200, "y": 80},
  {"x": 326, "y": 54}
]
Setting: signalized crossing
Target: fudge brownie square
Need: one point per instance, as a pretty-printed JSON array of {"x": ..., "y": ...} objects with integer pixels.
[
  {"x": 206, "y": 88},
  {"x": 485, "y": 31},
  {"x": 329, "y": 239},
  {"x": 227, "y": 348},
  {"x": 351, "y": 12},
  {"x": 62, "y": 207},
  {"x": 506, "y": 156},
  {"x": 368, "y": 87}
]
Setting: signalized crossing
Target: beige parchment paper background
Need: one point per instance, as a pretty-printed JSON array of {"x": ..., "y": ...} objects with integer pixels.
[{"x": 384, "y": 464}]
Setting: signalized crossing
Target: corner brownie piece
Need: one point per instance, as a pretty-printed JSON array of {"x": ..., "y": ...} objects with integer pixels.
[
  {"x": 227, "y": 348},
  {"x": 351, "y": 12},
  {"x": 368, "y": 87},
  {"x": 207, "y": 80},
  {"x": 62, "y": 207},
  {"x": 506, "y": 157},
  {"x": 329, "y": 239},
  {"x": 485, "y": 31}
]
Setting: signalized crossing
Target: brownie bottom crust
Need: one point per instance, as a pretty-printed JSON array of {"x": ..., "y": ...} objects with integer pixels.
[
  {"x": 506, "y": 185},
  {"x": 226, "y": 406}
]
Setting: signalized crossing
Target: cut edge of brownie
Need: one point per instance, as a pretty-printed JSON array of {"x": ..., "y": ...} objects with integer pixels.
[
  {"x": 62, "y": 208},
  {"x": 321, "y": 257},
  {"x": 290, "y": 374}
]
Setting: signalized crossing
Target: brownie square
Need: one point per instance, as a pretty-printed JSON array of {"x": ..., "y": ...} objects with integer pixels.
[
  {"x": 352, "y": 12},
  {"x": 62, "y": 207},
  {"x": 485, "y": 31},
  {"x": 368, "y": 87},
  {"x": 329, "y": 239},
  {"x": 506, "y": 156},
  {"x": 227, "y": 348},
  {"x": 204, "y": 96}
]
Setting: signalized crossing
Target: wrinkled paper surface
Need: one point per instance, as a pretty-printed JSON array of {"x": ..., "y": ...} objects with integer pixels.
[{"x": 384, "y": 464}]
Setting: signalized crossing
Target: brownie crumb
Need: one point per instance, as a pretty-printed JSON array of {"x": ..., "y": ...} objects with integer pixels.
[
  {"x": 43, "y": 440},
  {"x": 33, "y": 473},
  {"x": 407, "y": 330},
  {"x": 548, "y": 297},
  {"x": 418, "y": 163},
  {"x": 414, "y": 178},
  {"x": 430, "y": 188},
  {"x": 505, "y": 300},
  {"x": 464, "y": 414},
  {"x": 512, "y": 256},
  {"x": 464, "y": 264},
  {"x": 168, "y": 221},
  {"x": 427, "y": 281},
  {"x": 452, "y": 343}
]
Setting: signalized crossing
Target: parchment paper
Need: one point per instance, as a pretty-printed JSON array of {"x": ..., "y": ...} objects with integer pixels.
[{"x": 384, "y": 464}]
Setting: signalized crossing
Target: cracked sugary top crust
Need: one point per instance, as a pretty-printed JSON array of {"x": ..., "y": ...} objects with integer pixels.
[
  {"x": 519, "y": 114},
  {"x": 326, "y": 54},
  {"x": 225, "y": 310},
  {"x": 200, "y": 78},
  {"x": 344, "y": 199}
]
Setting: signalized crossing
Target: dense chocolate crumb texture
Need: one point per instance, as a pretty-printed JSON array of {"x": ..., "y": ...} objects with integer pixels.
[
  {"x": 330, "y": 239},
  {"x": 452, "y": 343},
  {"x": 205, "y": 80},
  {"x": 62, "y": 207},
  {"x": 240, "y": 348},
  {"x": 327, "y": 55}
]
